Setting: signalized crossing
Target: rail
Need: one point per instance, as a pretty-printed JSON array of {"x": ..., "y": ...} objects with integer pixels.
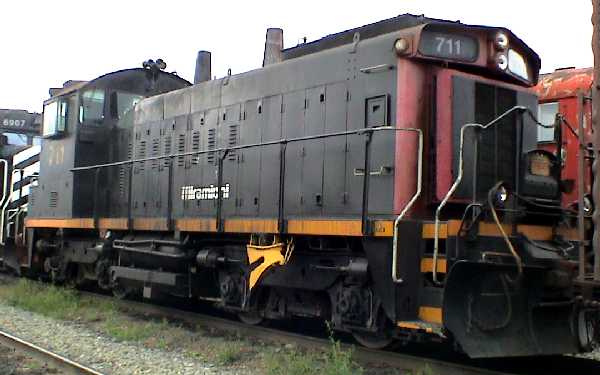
[{"x": 56, "y": 360}]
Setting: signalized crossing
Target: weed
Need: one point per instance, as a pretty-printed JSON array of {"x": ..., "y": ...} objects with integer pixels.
[
  {"x": 334, "y": 361},
  {"x": 228, "y": 354}
]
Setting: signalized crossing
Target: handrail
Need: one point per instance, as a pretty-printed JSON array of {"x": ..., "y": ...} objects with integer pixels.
[
  {"x": 408, "y": 206},
  {"x": 4, "y": 196},
  {"x": 436, "y": 236},
  {"x": 5, "y": 205},
  {"x": 242, "y": 147}
]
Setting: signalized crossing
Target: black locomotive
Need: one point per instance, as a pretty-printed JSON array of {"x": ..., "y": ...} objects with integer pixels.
[{"x": 385, "y": 178}]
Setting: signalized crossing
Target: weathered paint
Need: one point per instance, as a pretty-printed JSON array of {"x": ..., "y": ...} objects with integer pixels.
[{"x": 562, "y": 87}]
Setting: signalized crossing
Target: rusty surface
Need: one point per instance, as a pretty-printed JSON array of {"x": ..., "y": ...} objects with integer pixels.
[
  {"x": 596, "y": 133},
  {"x": 564, "y": 83}
]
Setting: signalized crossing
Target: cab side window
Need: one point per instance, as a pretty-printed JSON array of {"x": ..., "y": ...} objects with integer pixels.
[
  {"x": 91, "y": 110},
  {"x": 125, "y": 102},
  {"x": 55, "y": 118},
  {"x": 546, "y": 115}
]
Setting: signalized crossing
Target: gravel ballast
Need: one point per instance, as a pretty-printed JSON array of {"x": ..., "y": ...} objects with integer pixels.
[{"x": 79, "y": 343}]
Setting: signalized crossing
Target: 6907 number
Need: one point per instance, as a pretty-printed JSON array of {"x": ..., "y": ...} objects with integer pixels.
[{"x": 13, "y": 123}]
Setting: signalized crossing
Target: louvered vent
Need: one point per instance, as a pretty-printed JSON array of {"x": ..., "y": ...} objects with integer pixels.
[
  {"x": 212, "y": 143},
  {"x": 180, "y": 150},
  {"x": 53, "y": 199},
  {"x": 196, "y": 146},
  {"x": 142, "y": 155},
  {"x": 232, "y": 141},
  {"x": 168, "y": 150},
  {"x": 155, "y": 150}
]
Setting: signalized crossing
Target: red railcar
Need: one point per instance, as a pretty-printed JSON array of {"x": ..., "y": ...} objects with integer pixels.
[{"x": 558, "y": 93}]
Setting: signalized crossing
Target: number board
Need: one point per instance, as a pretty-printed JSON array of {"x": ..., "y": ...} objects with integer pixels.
[
  {"x": 449, "y": 46},
  {"x": 18, "y": 121}
]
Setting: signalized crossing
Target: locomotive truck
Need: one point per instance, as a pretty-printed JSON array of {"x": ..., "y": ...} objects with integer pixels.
[{"x": 385, "y": 178}]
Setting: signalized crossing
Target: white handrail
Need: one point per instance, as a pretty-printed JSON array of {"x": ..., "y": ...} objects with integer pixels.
[{"x": 408, "y": 206}]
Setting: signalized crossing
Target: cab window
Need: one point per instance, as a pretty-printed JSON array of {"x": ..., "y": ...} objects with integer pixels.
[
  {"x": 55, "y": 118},
  {"x": 125, "y": 103},
  {"x": 92, "y": 107},
  {"x": 546, "y": 115}
]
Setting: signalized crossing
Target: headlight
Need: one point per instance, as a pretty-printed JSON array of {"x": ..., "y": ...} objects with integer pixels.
[
  {"x": 501, "y": 194},
  {"x": 502, "y": 61},
  {"x": 517, "y": 64},
  {"x": 540, "y": 164}
]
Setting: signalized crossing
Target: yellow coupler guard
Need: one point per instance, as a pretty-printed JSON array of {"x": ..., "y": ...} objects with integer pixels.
[{"x": 271, "y": 255}]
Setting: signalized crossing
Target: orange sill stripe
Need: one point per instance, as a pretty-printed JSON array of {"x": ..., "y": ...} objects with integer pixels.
[
  {"x": 430, "y": 314},
  {"x": 427, "y": 265}
]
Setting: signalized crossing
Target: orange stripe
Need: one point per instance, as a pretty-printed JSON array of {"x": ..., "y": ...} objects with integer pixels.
[
  {"x": 250, "y": 226},
  {"x": 533, "y": 232},
  {"x": 196, "y": 225},
  {"x": 427, "y": 265},
  {"x": 149, "y": 223},
  {"x": 113, "y": 223},
  {"x": 428, "y": 230},
  {"x": 325, "y": 227},
  {"x": 430, "y": 314},
  {"x": 59, "y": 223}
]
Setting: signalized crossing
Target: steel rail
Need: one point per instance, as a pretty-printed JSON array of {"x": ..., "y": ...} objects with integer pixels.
[{"x": 43, "y": 355}]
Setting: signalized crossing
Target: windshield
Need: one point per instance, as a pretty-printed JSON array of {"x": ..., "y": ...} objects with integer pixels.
[{"x": 92, "y": 106}]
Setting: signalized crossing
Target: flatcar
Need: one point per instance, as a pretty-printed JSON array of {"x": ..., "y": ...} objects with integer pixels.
[{"x": 386, "y": 178}]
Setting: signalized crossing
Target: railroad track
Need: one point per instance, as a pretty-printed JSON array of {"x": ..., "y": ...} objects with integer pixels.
[
  {"x": 54, "y": 360},
  {"x": 410, "y": 363},
  {"x": 421, "y": 362}
]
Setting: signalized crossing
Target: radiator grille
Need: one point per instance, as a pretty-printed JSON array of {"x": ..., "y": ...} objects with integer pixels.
[{"x": 497, "y": 144}]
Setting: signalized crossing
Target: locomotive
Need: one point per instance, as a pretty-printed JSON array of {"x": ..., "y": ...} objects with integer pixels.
[
  {"x": 386, "y": 178},
  {"x": 567, "y": 92}
]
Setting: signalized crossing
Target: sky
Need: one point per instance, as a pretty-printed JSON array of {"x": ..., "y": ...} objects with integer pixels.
[{"x": 44, "y": 43}]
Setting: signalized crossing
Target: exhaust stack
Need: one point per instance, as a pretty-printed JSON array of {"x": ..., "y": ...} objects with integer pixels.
[
  {"x": 202, "y": 73},
  {"x": 273, "y": 47}
]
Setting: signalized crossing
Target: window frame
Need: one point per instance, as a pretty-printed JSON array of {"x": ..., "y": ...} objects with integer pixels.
[
  {"x": 61, "y": 114},
  {"x": 540, "y": 130}
]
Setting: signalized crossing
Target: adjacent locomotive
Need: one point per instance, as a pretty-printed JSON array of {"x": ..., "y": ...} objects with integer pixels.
[
  {"x": 386, "y": 178},
  {"x": 567, "y": 92}
]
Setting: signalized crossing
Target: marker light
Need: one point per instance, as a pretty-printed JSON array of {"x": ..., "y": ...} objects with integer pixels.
[
  {"x": 401, "y": 46},
  {"x": 501, "y": 61},
  {"x": 501, "y": 41}
]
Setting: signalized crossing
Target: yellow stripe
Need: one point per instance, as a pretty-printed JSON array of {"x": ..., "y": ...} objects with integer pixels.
[
  {"x": 325, "y": 227},
  {"x": 113, "y": 223},
  {"x": 250, "y": 226},
  {"x": 60, "y": 223},
  {"x": 427, "y": 265},
  {"x": 430, "y": 314},
  {"x": 196, "y": 225},
  {"x": 149, "y": 223}
]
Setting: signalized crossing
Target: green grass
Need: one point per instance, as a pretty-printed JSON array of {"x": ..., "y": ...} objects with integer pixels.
[
  {"x": 54, "y": 302},
  {"x": 334, "y": 361},
  {"x": 228, "y": 354},
  {"x": 124, "y": 330}
]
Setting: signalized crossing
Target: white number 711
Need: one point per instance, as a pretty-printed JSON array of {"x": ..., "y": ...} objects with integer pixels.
[{"x": 448, "y": 45}]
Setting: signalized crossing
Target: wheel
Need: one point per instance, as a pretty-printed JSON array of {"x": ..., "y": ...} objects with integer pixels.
[
  {"x": 381, "y": 338},
  {"x": 252, "y": 318},
  {"x": 373, "y": 340}
]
